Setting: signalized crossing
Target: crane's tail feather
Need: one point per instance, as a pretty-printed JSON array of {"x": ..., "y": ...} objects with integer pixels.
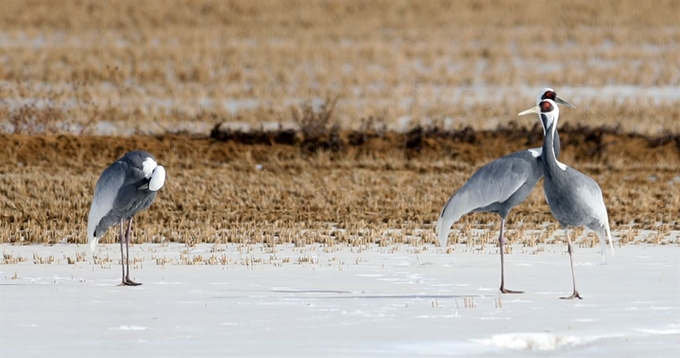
[
  {"x": 443, "y": 231},
  {"x": 94, "y": 241},
  {"x": 605, "y": 235},
  {"x": 448, "y": 216}
]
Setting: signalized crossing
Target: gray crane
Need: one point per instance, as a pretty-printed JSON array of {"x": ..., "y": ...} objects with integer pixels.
[
  {"x": 575, "y": 199},
  {"x": 126, "y": 187},
  {"x": 497, "y": 187}
]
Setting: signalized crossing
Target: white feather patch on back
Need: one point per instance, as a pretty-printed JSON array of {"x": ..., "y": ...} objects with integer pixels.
[
  {"x": 157, "y": 178},
  {"x": 560, "y": 164},
  {"x": 148, "y": 166},
  {"x": 535, "y": 152}
]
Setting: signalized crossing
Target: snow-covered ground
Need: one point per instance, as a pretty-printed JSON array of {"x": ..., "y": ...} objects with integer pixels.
[{"x": 242, "y": 300}]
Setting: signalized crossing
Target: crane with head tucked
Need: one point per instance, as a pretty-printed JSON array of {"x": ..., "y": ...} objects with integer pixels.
[{"x": 126, "y": 187}]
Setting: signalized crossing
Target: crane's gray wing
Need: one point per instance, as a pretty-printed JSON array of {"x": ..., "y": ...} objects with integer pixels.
[
  {"x": 492, "y": 183},
  {"x": 589, "y": 192},
  {"x": 579, "y": 201},
  {"x": 105, "y": 192}
]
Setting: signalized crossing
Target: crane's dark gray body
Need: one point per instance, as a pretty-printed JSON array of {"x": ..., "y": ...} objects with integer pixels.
[
  {"x": 122, "y": 180},
  {"x": 565, "y": 203},
  {"x": 496, "y": 187},
  {"x": 126, "y": 187},
  {"x": 521, "y": 168},
  {"x": 575, "y": 199},
  {"x": 500, "y": 185}
]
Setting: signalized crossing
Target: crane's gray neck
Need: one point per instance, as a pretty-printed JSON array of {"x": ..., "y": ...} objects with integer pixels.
[
  {"x": 551, "y": 149},
  {"x": 556, "y": 139}
]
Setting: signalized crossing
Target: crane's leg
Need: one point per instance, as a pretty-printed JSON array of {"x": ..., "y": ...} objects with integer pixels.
[
  {"x": 121, "y": 238},
  {"x": 127, "y": 281},
  {"x": 501, "y": 243},
  {"x": 571, "y": 260}
]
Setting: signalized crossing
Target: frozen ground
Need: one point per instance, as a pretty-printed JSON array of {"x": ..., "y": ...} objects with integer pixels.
[{"x": 239, "y": 300}]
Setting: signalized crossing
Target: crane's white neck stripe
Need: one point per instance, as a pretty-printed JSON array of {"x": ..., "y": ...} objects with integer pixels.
[{"x": 148, "y": 165}]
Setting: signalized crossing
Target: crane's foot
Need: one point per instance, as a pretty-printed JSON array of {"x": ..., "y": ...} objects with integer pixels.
[
  {"x": 573, "y": 295},
  {"x": 128, "y": 282},
  {"x": 505, "y": 290}
]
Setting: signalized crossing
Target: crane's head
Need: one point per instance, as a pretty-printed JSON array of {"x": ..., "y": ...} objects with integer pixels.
[
  {"x": 547, "y": 111},
  {"x": 549, "y": 93},
  {"x": 154, "y": 173}
]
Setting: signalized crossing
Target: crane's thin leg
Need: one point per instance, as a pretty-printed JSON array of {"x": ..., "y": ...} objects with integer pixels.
[
  {"x": 573, "y": 277},
  {"x": 127, "y": 248},
  {"x": 121, "y": 238},
  {"x": 127, "y": 281},
  {"x": 501, "y": 243}
]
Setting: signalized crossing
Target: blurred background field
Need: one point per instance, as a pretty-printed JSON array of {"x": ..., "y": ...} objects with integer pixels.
[
  {"x": 368, "y": 114},
  {"x": 100, "y": 67}
]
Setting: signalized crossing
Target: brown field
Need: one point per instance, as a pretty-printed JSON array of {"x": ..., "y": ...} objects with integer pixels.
[
  {"x": 424, "y": 92},
  {"x": 217, "y": 191}
]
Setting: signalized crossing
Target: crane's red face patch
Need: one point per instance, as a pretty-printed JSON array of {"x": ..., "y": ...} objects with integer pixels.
[
  {"x": 546, "y": 107},
  {"x": 549, "y": 95}
]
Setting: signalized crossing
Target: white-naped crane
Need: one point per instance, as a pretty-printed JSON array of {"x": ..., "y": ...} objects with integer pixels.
[
  {"x": 126, "y": 187},
  {"x": 497, "y": 187},
  {"x": 575, "y": 199}
]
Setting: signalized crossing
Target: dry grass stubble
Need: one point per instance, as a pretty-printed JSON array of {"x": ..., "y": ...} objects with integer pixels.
[
  {"x": 231, "y": 192},
  {"x": 159, "y": 67}
]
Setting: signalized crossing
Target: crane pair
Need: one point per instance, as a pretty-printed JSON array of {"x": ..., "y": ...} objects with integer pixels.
[
  {"x": 574, "y": 198},
  {"x": 130, "y": 185}
]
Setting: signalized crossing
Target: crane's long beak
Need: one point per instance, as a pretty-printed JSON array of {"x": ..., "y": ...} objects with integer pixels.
[
  {"x": 561, "y": 101},
  {"x": 536, "y": 109}
]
